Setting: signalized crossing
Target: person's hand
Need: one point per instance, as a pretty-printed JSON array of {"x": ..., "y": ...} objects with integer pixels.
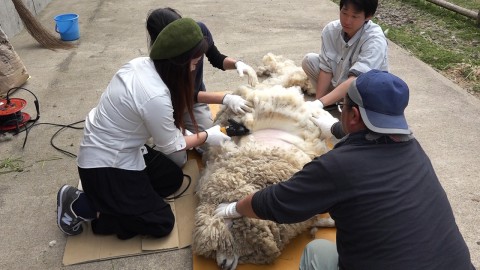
[
  {"x": 325, "y": 123},
  {"x": 227, "y": 211},
  {"x": 315, "y": 104},
  {"x": 215, "y": 136},
  {"x": 237, "y": 104},
  {"x": 243, "y": 68}
]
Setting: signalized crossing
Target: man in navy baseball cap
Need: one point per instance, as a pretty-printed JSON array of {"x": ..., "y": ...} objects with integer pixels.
[
  {"x": 381, "y": 98},
  {"x": 376, "y": 100},
  {"x": 377, "y": 184}
]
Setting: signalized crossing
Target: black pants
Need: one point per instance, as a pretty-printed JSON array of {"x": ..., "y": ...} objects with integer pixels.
[{"x": 131, "y": 202}]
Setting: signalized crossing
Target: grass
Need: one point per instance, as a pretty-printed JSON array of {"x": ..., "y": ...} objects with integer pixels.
[
  {"x": 447, "y": 41},
  {"x": 11, "y": 165},
  {"x": 468, "y": 4}
]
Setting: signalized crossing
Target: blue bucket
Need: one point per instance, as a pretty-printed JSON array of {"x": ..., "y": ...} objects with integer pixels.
[{"x": 67, "y": 26}]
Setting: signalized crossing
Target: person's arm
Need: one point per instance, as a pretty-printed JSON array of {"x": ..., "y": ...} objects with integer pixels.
[
  {"x": 242, "y": 68},
  {"x": 244, "y": 207},
  {"x": 211, "y": 136},
  {"x": 234, "y": 102},
  {"x": 241, "y": 208},
  {"x": 326, "y": 122},
  {"x": 337, "y": 130},
  {"x": 310, "y": 191},
  {"x": 229, "y": 63},
  {"x": 210, "y": 97},
  {"x": 333, "y": 96},
  {"x": 323, "y": 83},
  {"x": 223, "y": 62},
  {"x": 337, "y": 93},
  {"x": 195, "y": 140}
]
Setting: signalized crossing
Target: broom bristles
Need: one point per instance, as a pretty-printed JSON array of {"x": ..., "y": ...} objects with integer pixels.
[{"x": 37, "y": 31}]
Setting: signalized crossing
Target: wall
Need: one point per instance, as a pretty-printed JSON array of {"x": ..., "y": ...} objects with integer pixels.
[{"x": 10, "y": 22}]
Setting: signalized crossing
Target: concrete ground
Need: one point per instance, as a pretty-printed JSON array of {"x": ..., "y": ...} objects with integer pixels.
[{"x": 444, "y": 118}]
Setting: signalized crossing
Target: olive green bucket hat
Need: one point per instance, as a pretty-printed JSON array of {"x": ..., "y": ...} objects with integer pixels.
[{"x": 176, "y": 38}]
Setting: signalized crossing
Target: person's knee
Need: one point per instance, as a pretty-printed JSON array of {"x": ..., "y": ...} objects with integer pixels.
[
  {"x": 308, "y": 62},
  {"x": 203, "y": 117},
  {"x": 319, "y": 254},
  {"x": 164, "y": 228},
  {"x": 179, "y": 158},
  {"x": 311, "y": 67}
]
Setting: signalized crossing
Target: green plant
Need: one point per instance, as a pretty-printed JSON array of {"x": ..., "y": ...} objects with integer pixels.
[{"x": 11, "y": 165}]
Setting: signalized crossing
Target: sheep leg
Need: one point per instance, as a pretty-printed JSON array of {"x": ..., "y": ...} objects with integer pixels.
[
  {"x": 226, "y": 262},
  {"x": 227, "y": 259}
]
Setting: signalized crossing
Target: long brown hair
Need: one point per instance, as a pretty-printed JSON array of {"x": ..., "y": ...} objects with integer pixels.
[{"x": 179, "y": 79}]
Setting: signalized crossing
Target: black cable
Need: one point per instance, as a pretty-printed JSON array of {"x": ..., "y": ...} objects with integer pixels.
[
  {"x": 58, "y": 131},
  {"x": 33, "y": 122},
  {"x": 183, "y": 191}
]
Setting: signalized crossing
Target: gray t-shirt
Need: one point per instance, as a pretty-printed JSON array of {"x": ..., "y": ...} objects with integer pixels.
[{"x": 366, "y": 50}]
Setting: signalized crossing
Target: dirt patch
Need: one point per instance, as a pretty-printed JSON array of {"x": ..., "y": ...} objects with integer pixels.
[{"x": 395, "y": 13}]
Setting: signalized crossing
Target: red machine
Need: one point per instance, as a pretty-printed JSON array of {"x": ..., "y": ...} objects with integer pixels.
[{"x": 11, "y": 116}]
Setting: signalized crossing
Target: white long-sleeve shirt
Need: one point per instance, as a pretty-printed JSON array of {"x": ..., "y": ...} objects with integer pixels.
[{"x": 135, "y": 106}]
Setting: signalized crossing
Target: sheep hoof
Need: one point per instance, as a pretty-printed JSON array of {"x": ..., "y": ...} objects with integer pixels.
[{"x": 225, "y": 262}]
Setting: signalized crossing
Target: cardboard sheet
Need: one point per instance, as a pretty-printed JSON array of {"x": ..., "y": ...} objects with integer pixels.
[{"x": 88, "y": 247}]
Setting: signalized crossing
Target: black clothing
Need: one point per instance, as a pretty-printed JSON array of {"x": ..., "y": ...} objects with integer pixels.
[
  {"x": 213, "y": 55},
  {"x": 390, "y": 210},
  {"x": 132, "y": 202},
  {"x": 337, "y": 130}
]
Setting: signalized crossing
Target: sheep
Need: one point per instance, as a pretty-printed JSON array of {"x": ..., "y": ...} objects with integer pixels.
[{"x": 282, "y": 139}]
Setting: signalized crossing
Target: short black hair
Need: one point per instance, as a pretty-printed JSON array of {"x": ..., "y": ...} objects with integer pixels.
[{"x": 367, "y": 6}]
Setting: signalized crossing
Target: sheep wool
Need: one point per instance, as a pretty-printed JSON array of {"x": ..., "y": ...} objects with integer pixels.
[
  {"x": 278, "y": 70},
  {"x": 282, "y": 139}
]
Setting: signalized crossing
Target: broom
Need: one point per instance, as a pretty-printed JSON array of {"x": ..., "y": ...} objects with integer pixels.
[{"x": 37, "y": 31}]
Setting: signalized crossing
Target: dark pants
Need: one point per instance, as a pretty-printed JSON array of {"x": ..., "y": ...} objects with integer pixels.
[{"x": 131, "y": 202}]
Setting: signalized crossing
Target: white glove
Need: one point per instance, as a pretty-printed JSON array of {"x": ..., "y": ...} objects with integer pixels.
[
  {"x": 325, "y": 123},
  {"x": 243, "y": 68},
  {"x": 315, "y": 104},
  {"x": 237, "y": 104},
  {"x": 215, "y": 136},
  {"x": 226, "y": 211}
]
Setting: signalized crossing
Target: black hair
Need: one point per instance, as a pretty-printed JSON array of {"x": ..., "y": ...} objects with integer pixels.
[
  {"x": 178, "y": 77},
  {"x": 367, "y": 6},
  {"x": 157, "y": 19}
]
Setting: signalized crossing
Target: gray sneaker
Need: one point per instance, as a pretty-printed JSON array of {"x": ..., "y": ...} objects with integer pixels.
[{"x": 67, "y": 220}]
